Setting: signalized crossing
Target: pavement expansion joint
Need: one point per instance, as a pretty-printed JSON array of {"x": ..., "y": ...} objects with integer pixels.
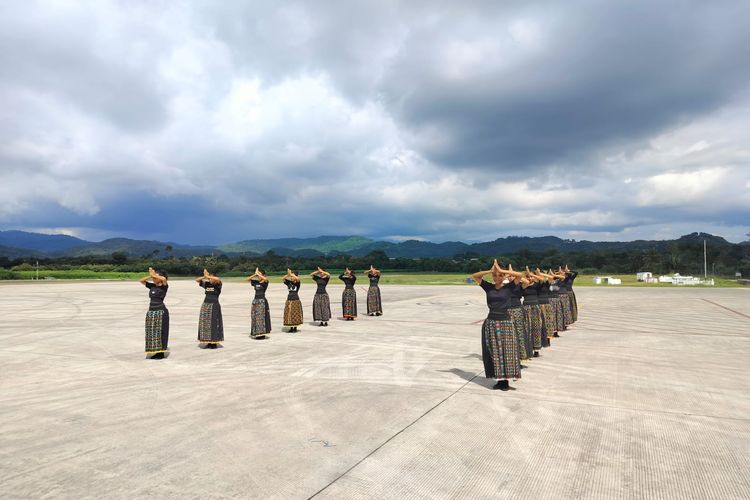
[{"x": 393, "y": 437}]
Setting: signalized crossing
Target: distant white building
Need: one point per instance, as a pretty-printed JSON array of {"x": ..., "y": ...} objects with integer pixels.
[
  {"x": 645, "y": 277},
  {"x": 685, "y": 280},
  {"x": 677, "y": 279},
  {"x": 606, "y": 280}
]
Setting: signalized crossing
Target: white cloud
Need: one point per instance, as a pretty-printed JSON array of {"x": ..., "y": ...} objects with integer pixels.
[{"x": 681, "y": 188}]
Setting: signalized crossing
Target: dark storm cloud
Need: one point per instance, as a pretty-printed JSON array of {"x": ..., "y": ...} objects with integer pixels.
[{"x": 597, "y": 75}]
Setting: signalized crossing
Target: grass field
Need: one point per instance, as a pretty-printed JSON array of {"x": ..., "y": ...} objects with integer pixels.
[
  {"x": 389, "y": 278},
  {"x": 78, "y": 274}
]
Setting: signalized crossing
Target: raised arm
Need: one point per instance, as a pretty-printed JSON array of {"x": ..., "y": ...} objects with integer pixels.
[
  {"x": 257, "y": 274},
  {"x": 543, "y": 276},
  {"x": 156, "y": 277},
  {"x": 510, "y": 272},
  {"x": 477, "y": 277},
  {"x": 210, "y": 277}
]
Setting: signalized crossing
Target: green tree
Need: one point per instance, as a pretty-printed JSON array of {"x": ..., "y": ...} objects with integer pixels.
[
  {"x": 119, "y": 257},
  {"x": 377, "y": 258}
]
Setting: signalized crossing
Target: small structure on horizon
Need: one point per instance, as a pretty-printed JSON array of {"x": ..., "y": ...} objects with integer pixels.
[
  {"x": 645, "y": 277},
  {"x": 678, "y": 279},
  {"x": 607, "y": 280}
]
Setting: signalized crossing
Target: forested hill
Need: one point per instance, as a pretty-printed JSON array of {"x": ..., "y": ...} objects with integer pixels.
[
  {"x": 15, "y": 244},
  {"x": 45, "y": 243}
]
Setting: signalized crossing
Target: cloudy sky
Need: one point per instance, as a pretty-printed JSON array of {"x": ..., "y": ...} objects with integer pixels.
[{"x": 211, "y": 122}]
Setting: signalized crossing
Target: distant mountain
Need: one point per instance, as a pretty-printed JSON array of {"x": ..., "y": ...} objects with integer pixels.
[
  {"x": 699, "y": 237},
  {"x": 19, "y": 253},
  {"x": 513, "y": 244},
  {"x": 18, "y": 244},
  {"x": 415, "y": 248},
  {"x": 139, "y": 247},
  {"x": 41, "y": 242},
  {"x": 322, "y": 244}
]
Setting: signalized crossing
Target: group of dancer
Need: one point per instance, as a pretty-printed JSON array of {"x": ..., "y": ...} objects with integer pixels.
[
  {"x": 210, "y": 320},
  {"x": 526, "y": 310}
]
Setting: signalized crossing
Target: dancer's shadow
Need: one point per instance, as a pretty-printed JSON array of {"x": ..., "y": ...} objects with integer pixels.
[
  {"x": 468, "y": 376},
  {"x": 474, "y": 355}
]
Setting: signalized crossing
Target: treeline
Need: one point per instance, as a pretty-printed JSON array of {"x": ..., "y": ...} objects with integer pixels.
[{"x": 685, "y": 257}]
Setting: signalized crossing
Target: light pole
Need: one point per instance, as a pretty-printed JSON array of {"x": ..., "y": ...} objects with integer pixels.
[{"x": 705, "y": 268}]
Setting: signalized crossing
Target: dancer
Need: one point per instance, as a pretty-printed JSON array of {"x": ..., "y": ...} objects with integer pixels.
[
  {"x": 374, "y": 304},
  {"x": 546, "y": 307},
  {"x": 293, "y": 306},
  {"x": 516, "y": 286},
  {"x": 157, "y": 317},
  {"x": 260, "y": 315},
  {"x": 570, "y": 277},
  {"x": 210, "y": 321},
  {"x": 556, "y": 303},
  {"x": 499, "y": 344},
  {"x": 567, "y": 313},
  {"x": 532, "y": 312},
  {"x": 321, "y": 301},
  {"x": 349, "y": 297}
]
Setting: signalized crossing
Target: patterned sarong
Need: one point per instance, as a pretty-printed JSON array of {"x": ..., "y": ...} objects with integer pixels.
[
  {"x": 210, "y": 323},
  {"x": 321, "y": 307},
  {"x": 557, "y": 314},
  {"x": 566, "y": 309},
  {"x": 157, "y": 331},
  {"x": 374, "y": 304},
  {"x": 260, "y": 318},
  {"x": 574, "y": 305},
  {"x": 525, "y": 344},
  {"x": 293, "y": 313},
  {"x": 535, "y": 324},
  {"x": 548, "y": 323},
  {"x": 349, "y": 303},
  {"x": 500, "y": 349}
]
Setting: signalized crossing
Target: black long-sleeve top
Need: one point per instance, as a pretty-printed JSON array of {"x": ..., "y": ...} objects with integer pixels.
[
  {"x": 374, "y": 278},
  {"x": 156, "y": 295},
  {"x": 213, "y": 290},
  {"x": 544, "y": 292},
  {"x": 498, "y": 300},
  {"x": 554, "y": 290},
  {"x": 569, "y": 279},
  {"x": 260, "y": 288},
  {"x": 531, "y": 295},
  {"x": 516, "y": 292},
  {"x": 321, "y": 282},
  {"x": 348, "y": 281},
  {"x": 293, "y": 287}
]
